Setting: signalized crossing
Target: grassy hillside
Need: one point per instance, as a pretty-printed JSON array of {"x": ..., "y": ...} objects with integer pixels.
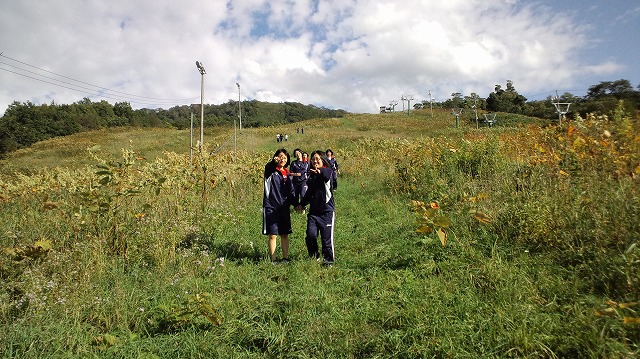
[{"x": 510, "y": 241}]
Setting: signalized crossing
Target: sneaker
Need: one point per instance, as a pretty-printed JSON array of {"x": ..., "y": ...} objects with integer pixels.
[
  {"x": 327, "y": 264},
  {"x": 285, "y": 261}
]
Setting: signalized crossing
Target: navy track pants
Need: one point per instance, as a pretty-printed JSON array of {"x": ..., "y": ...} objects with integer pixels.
[{"x": 321, "y": 224}]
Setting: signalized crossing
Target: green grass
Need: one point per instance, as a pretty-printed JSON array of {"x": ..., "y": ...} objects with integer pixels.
[{"x": 136, "y": 282}]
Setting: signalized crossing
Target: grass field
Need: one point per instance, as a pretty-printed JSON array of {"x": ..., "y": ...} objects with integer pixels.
[{"x": 116, "y": 244}]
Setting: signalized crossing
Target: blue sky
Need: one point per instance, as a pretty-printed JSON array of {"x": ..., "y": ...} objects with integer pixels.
[{"x": 351, "y": 54}]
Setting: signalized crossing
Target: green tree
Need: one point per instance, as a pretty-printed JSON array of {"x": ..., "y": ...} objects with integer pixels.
[
  {"x": 508, "y": 100},
  {"x": 604, "y": 98},
  {"x": 456, "y": 101}
]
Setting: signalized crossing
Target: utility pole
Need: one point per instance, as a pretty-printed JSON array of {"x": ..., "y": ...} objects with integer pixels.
[
  {"x": 239, "y": 106},
  {"x": 431, "y": 103},
  {"x": 191, "y": 144},
  {"x": 402, "y": 98},
  {"x": 202, "y": 72}
]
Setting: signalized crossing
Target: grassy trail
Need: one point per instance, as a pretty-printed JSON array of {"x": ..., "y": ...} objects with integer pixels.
[{"x": 148, "y": 259}]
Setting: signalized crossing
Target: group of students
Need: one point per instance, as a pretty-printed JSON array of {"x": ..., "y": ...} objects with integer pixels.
[{"x": 307, "y": 181}]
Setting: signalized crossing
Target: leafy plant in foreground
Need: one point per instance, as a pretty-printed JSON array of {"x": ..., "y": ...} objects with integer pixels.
[
  {"x": 173, "y": 318},
  {"x": 113, "y": 192},
  {"x": 429, "y": 219}
]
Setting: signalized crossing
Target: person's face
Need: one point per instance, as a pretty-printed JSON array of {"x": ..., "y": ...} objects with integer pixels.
[
  {"x": 316, "y": 161},
  {"x": 280, "y": 159},
  {"x": 298, "y": 155},
  {"x": 305, "y": 156}
]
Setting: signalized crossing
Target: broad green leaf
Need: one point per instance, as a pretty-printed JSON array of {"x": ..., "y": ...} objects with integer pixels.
[
  {"x": 442, "y": 235},
  {"x": 482, "y": 217},
  {"x": 429, "y": 212},
  {"x": 110, "y": 339},
  {"x": 45, "y": 244},
  {"x": 424, "y": 229},
  {"x": 442, "y": 221}
]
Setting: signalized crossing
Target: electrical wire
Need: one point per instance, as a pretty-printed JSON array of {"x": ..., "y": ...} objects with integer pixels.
[{"x": 95, "y": 90}]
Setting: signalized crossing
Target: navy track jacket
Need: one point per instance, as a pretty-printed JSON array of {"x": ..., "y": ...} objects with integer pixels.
[
  {"x": 299, "y": 167},
  {"x": 319, "y": 195},
  {"x": 278, "y": 189}
]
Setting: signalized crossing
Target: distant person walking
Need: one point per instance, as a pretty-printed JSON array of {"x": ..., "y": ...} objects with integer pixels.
[
  {"x": 334, "y": 166},
  {"x": 321, "y": 217},
  {"x": 277, "y": 198}
]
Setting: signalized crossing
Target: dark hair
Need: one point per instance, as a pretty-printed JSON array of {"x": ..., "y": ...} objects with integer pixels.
[
  {"x": 297, "y": 150},
  {"x": 327, "y": 152},
  {"x": 282, "y": 150},
  {"x": 323, "y": 157},
  {"x": 270, "y": 167}
]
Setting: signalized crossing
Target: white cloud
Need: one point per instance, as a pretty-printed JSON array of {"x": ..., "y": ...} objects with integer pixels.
[{"x": 355, "y": 54}]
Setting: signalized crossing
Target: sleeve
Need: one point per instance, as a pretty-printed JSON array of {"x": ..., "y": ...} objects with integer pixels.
[
  {"x": 326, "y": 173},
  {"x": 269, "y": 168},
  {"x": 291, "y": 193}
]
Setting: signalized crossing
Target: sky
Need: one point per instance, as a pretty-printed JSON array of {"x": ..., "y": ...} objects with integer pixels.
[{"x": 355, "y": 55}]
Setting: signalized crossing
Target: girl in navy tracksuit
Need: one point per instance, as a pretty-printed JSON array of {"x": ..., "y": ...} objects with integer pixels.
[
  {"x": 278, "y": 196},
  {"x": 299, "y": 172},
  {"x": 334, "y": 165},
  {"x": 321, "y": 215}
]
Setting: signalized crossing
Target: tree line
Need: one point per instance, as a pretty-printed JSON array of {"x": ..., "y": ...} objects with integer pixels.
[
  {"x": 602, "y": 99},
  {"x": 25, "y": 123}
]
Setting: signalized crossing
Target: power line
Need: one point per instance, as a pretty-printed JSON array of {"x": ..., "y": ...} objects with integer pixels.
[
  {"x": 95, "y": 89},
  {"x": 82, "y": 89},
  {"x": 86, "y": 83}
]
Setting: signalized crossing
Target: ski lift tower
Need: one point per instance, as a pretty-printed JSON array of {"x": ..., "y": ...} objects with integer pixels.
[
  {"x": 490, "y": 118},
  {"x": 456, "y": 111},
  {"x": 392, "y": 105},
  {"x": 561, "y": 108}
]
